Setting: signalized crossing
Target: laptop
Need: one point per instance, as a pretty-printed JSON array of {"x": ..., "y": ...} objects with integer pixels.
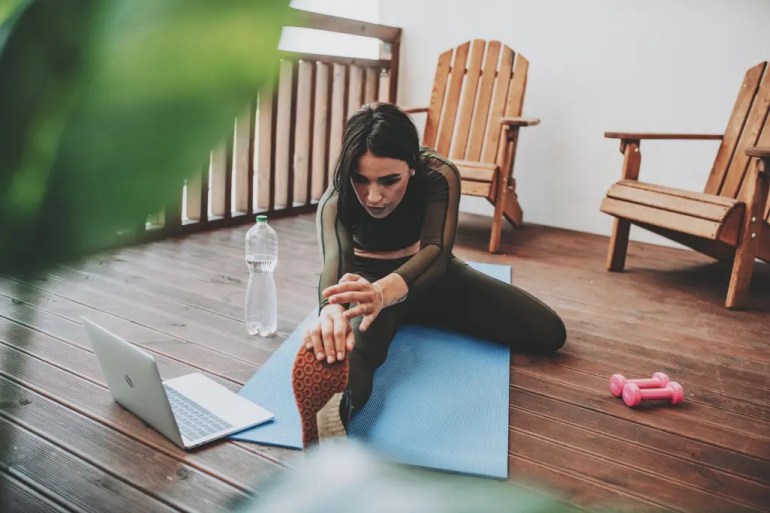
[{"x": 190, "y": 410}]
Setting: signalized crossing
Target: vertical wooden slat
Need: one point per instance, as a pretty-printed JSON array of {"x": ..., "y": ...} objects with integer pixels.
[
  {"x": 383, "y": 84},
  {"x": 273, "y": 151},
  {"x": 479, "y": 125},
  {"x": 204, "y": 195},
  {"x": 241, "y": 147},
  {"x": 292, "y": 132},
  {"x": 446, "y": 129},
  {"x": 193, "y": 199},
  {"x": 283, "y": 135},
  {"x": 302, "y": 131},
  {"x": 754, "y": 123},
  {"x": 251, "y": 149},
  {"x": 395, "y": 62},
  {"x": 437, "y": 99},
  {"x": 337, "y": 115},
  {"x": 228, "y": 190},
  {"x": 763, "y": 141},
  {"x": 489, "y": 151},
  {"x": 328, "y": 169},
  {"x": 320, "y": 130},
  {"x": 515, "y": 102},
  {"x": 217, "y": 180},
  {"x": 355, "y": 89},
  {"x": 310, "y": 127},
  {"x": 518, "y": 87},
  {"x": 370, "y": 91},
  {"x": 264, "y": 131},
  {"x": 734, "y": 127},
  {"x": 468, "y": 100}
]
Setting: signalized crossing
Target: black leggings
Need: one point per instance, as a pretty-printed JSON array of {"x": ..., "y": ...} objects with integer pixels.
[{"x": 463, "y": 300}]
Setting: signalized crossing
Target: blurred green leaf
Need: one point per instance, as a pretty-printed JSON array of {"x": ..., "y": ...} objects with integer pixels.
[{"x": 106, "y": 106}]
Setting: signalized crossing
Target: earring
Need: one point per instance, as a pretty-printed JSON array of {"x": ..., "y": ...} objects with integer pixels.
[{"x": 411, "y": 172}]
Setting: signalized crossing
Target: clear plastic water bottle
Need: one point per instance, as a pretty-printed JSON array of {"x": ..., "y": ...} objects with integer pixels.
[{"x": 261, "y": 310}]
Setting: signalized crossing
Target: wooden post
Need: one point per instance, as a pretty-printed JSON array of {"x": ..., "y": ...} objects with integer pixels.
[
  {"x": 501, "y": 187},
  {"x": 751, "y": 230},
  {"x": 632, "y": 159}
]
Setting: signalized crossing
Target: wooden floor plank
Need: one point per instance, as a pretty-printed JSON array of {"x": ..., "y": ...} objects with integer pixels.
[
  {"x": 708, "y": 486},
  {"x": 667, "y": 494},
  {"x": 578, "y": 490},
  {"x": 166, "y": 478},
  {"x": 697, "y": 452},
  {"x": 78, "y": 483},
  {"x": 15, "y": 495},
  {"x": 226, "y": 368},
  {"x": 726, "y": 379}
]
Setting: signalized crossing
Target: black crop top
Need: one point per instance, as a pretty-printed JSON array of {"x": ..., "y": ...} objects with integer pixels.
[{"x": 427, "y": 213}]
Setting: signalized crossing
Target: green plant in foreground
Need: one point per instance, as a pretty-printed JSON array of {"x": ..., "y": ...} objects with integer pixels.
[{"x": 106, "y": 106}]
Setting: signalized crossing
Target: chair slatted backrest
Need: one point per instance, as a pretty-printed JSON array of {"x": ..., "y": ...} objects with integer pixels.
[
  {"x": 749, "y": 125},
  {"x": 475, "y": 85}
]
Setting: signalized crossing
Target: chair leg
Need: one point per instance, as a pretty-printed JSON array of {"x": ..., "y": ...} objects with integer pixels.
[
  {"x": 751, "y": 231},
  {"x": 512, "y": 210},
  {"x": 740, "y": 278},
  {"x": 743, "y": 264},
  {"x": 616, "y": 256},
  {"x": 497, "y": 225}
]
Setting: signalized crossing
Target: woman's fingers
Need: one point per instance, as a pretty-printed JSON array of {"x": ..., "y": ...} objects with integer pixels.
[
  {"x": 316, "y": 343},
  {"x": 358, "y": 310},
  {"x": 350, "y": 286},
  {"x": 368, "y": 320},
  {"x": 351, "y": 297},
  {"x": 327, "y": 337},
  {"x": 350, "y": 340},
  {"x": 349, "y": 277},
  {"x": 341, "y": 327}
]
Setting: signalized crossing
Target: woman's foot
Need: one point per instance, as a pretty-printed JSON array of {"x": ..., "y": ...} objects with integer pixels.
[
  {"x": 318, "y": 388},
  {"x": 332, "y": 419}
]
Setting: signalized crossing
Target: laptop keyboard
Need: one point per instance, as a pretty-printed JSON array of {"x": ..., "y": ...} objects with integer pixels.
[{"x": 193, "y": 420}]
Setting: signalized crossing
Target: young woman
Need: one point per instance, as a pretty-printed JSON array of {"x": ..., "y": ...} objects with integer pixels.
[{"x": 386, "y": 226}]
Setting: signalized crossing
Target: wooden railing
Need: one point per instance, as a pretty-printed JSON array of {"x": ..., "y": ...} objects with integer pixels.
[{"x": 279, "y": 158}]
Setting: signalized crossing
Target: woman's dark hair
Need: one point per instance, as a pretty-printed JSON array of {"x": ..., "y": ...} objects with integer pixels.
[{"x": 382, "y": 129}]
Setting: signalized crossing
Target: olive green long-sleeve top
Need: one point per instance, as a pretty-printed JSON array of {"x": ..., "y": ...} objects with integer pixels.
[{"x": 427, "y": 213}]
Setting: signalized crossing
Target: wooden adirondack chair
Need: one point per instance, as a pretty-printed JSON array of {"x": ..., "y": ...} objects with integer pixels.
[
  {"x": 474, "y": 119},
  {"x": 730, "y": 220}
]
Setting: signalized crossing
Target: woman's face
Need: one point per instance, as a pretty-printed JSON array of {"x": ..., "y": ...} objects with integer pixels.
[{"x": 380, "y": 183}]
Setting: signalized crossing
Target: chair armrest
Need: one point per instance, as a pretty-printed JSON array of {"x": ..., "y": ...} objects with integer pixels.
[
  {"x": 415, "y": 110},
  {"x": 760, "y": 152},
  {"x": 519, "y": 121},
  {"x": 637, "y": 136}
]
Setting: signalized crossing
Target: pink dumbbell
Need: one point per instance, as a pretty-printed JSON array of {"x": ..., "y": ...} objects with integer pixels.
[
  {"x": 617, "y": 381},
  {"x": 633, "y": 395}
]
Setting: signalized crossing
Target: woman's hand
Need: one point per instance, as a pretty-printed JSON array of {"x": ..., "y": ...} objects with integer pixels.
[
  {"x": 353, "y": 288},
  {"x": 331, "y": 336}
]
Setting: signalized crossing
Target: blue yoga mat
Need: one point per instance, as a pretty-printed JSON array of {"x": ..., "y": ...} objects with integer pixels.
[{"x": 440, "y": 400}]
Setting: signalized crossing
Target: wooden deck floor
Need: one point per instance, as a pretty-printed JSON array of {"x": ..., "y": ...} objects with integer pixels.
[{"x": 74, "y": 449}]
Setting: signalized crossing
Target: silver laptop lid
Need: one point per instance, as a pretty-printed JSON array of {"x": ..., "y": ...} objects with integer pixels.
[{"x": 133, "y": 379}]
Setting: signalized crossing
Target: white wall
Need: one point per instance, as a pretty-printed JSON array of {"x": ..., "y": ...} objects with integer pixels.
[
  {"x": 597, "y": 65},
  {"x": 304, "y": 40}
]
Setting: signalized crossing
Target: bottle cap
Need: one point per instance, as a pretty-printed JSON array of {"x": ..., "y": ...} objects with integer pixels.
[{"x": 261, "y": 218}]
